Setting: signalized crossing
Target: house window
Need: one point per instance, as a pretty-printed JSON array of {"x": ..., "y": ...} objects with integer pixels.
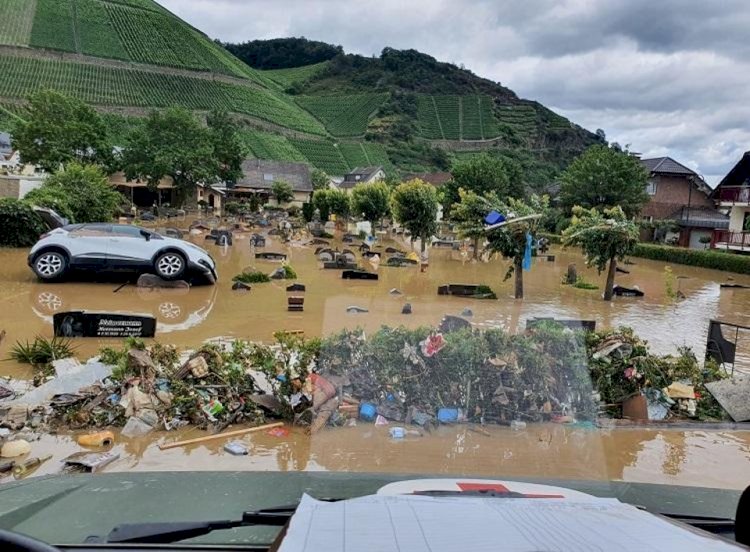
[
  {"x": 268, "y": 177},
  {"x": 651, "y": 187}
]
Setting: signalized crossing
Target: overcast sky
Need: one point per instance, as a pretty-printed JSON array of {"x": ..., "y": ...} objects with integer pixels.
[{"x": 668, "y": 77}]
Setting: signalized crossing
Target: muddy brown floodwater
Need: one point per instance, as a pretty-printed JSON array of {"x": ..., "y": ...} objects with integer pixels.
[{"x": 186, "y": 318}]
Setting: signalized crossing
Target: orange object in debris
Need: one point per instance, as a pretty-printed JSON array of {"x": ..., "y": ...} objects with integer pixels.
[
  {"x": 278, "y": 432},
  {"x": 99, "y": 439}
]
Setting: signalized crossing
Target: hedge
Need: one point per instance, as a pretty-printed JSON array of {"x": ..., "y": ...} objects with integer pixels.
[{"x": 704, "y": 258}]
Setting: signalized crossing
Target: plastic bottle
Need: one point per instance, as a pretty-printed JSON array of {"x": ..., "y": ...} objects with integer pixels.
[{"x": 22, "y": 468}]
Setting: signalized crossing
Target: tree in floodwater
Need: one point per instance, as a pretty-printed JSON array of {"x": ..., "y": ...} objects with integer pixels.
[
  {"x": 372, "y": 202},
  {"x": 604, "y": 238},
  {"x": 415, "y": 206},
  {"x": 469, "y": 214},
  {"x": 512, "y": 240}
]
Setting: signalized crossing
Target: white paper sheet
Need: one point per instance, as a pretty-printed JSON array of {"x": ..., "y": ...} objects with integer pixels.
[{"x": 431, "y": 524}]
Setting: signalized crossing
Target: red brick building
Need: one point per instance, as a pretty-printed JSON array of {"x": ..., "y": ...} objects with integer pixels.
[{"x": 681, "y": 195}]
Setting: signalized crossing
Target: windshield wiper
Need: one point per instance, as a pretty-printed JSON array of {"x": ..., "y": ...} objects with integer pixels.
[{"x": 163, "y": 533}]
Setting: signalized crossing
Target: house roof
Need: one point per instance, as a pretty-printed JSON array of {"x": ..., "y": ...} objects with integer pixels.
[
  {"x": 434, "y": 178},
  {"x": 359, "y": 174},
  {"x": 666, "y": 165},
  {"x": 701, "y": 217},
  {"x": 261, "y": 174},
  {"x": 739, "y": 174}
]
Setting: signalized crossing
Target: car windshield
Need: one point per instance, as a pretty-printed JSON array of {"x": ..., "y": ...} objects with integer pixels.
[{"x": 516, "y": 253}]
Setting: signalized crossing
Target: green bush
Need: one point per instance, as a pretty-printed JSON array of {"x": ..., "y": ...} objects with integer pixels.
[
  {"x": 252, "y": 277},
  {"x": 289, "y": 272},
  {"x": 90, "y": 196},
  {"x": 715, "y": 259},
  {"x": 20, "y": 226}
]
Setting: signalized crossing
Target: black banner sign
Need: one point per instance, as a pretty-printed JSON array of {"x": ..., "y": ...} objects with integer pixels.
[{"x": 99, "y": 324}]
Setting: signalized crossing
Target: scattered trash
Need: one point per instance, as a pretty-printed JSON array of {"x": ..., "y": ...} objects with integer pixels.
[
  {"x": 165, "y": 446},
  {"x": 135, "y": 427},
  {"x": 278, "y": 432},
  {"x": 432, "y": 345},
  {"x": 13, "y": 449},
  {"x": 236, "y": 448},
  {"x": 6, "y": 467},
  {"x": 380, "y": 420},
  {"x": 87, "y": 374},
  {"x": 397, "y": 432},
  {"x": 679, "y": 390},
  {"x": 448, "y": 415},
  {"x": 99, "y": 439},
  {"x": 15, "y": 417},
  {"x": 90, "y": 462},
  {"x": 517, "y": 425},
  {"x": 367, "y": 411},
  {"x": 22, "y": 469},
  {"x": 406, "y": 309},
  {"x": 395, "y": 291}
]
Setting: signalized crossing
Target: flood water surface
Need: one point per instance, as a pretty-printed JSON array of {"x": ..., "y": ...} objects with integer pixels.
[{"x": 187, "y": 317}]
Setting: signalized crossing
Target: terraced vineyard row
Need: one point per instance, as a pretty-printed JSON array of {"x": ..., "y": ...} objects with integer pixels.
[
  {"x": 96, "y": 33},
  {"x": 124, "y": 87},
  {"x": 366, "y": 154},
  {"x": 264, "y": 145},
  {"x": 522, "y": 119},
  {"x": 139, "y": 31},
  {"x": 287, "y": 77},
  {"x": 456, "y": 117},
  {"x": 53, "y": 25},
  {"x": 323, "y": 155},
  {"x": 343, "y": 115},
  {"x": 16, "y": 20}
]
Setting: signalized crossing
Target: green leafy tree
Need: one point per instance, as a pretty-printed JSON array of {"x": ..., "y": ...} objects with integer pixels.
[
  {"x": 321, "y": 202},
  {"x": 229, "y": 149},
  {"x": 172, "y": 144},
  {"x": 340, "y": 204},
  {"x": 604, "y": 238},
  {"x": 605, "y": 177},
  {"x": 20, "y": 226},
  {"x": 319, "y": 179},
  {"x": 282, "y": 192},
  {"x": 90, "y": 197},
  {"x": 469, "y": 214},
  {"x": 372, "y": 201},
  {"x": 415, "y": 207},
  {"x": 59, "y": 129},
  {"x": 483, "y": 174},
  {"x": 510, "y": 240}
]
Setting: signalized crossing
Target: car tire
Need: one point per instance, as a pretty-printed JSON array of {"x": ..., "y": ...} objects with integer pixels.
[
  {"x": 50, "y": 266},
  {"x": 170, "y": 265}
]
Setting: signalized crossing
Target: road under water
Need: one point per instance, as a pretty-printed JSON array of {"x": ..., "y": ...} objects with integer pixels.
[{"x": 188, "y": 317}]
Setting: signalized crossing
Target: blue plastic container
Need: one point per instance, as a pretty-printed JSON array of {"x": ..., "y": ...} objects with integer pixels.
[
  {"x": 368, "y": 411},
  {"x": 447, "y": 415}
]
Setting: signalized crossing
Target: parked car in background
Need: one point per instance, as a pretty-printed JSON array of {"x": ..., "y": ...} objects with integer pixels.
[{"x": 103, "y": 247}]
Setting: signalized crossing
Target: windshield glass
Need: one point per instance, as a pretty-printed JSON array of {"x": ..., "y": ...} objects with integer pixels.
[{"x": 383, "y": 268}]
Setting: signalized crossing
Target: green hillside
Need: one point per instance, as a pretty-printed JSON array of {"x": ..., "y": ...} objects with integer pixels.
[{"x": 306, "y": 101}]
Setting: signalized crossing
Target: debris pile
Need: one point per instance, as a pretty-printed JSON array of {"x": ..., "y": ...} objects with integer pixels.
[{"x": 410, "y": 376}]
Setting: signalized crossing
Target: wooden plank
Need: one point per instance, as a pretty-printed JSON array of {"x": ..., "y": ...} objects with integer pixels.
[{"x": 220, "y": 436}]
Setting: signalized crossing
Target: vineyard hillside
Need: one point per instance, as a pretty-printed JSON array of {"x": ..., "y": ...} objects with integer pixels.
[{"x": 303, "y": 101}]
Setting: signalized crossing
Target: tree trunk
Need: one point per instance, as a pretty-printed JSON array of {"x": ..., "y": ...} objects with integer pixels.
[
  {"x": 476, "y": 248},
  {"x": 518, "y": 269},
  {"x": 610, "y": 279},
  {"x": 422, "y": 244}
]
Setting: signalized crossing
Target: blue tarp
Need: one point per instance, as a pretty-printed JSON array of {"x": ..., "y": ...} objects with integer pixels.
[
  {"x": 494, "y": 218},
  {"x": 527, "y": 253}
]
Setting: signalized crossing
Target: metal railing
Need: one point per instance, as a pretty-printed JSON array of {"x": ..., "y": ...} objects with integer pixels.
[
  {"x": 730, "y": 240},
  {"x": 734, "y": 194}
]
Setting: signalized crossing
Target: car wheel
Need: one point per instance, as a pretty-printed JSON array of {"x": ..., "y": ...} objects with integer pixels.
[
  {"x": 170, "y": 265},
  {"x": 50, "y": 265}
]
